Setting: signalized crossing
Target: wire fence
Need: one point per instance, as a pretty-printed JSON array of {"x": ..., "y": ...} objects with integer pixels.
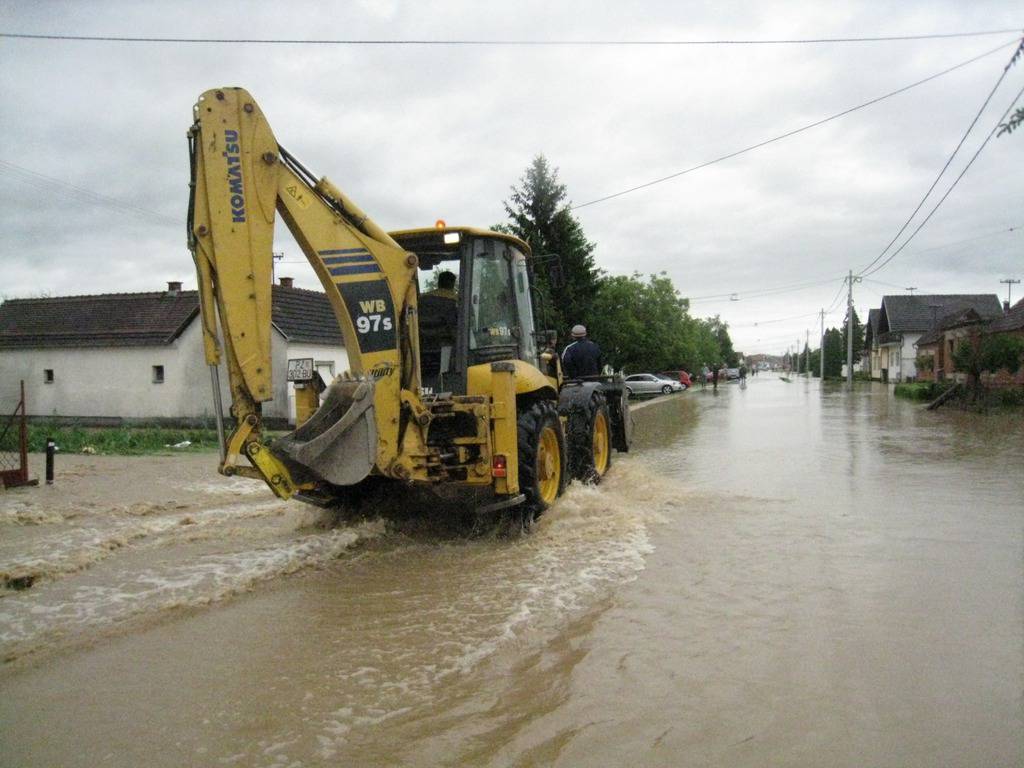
[{"x": 14, "y": 446}]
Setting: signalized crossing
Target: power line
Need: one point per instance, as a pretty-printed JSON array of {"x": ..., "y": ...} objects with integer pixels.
[
  {"x": 1014, "y": 228},
  {"x": 786, "y": 135},
  {"x": 951, "y": 188},
  {"x": 759, "y": 292},
  {"x": 832, "y": 304},
  {"x": 515, "y": 42},
  {"x": 890, "y": 285},
  {"x": 949, "y": 160},
  {"x": 759, "y": 323},
  {"x": 49, "y": 184}
]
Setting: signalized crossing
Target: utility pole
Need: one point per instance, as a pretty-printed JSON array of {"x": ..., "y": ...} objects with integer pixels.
[
  {"x": 849, "y": 327},
  {"x": 910, "y": 289},
  {"x": 797, "y": 350},
  {"x": 1010, "y": 282},
  {"x": 822, "y": 353},
  {"x": 807, "y": 352}
]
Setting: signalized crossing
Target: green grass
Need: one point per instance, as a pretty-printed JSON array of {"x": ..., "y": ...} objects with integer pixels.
[
  {"x": 923, "y": 391},
  {"x": 120, "y": 441}
]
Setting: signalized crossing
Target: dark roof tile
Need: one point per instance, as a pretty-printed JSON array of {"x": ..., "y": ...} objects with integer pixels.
[
  {"x": 147, "y": 319},
  {"x": 911, "y": 313},
  {"x": 1013, "y": 320}
]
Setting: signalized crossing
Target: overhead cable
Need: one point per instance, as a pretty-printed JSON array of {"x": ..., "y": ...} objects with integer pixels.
[
  {"x": 1015, "y": 228},
  {"x": 758, "y": 292},
  {"x": 950, "y": 159},
  {"x": 759, "y": 323},
  {"x": 794, "y": 132},
  {"x": 50, "y": 184},
  {"x": 514, "y": 42},
  {"x": 951, "y": 188}
]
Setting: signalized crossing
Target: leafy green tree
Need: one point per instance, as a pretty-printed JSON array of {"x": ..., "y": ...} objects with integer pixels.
[
  {"x": 706, "y": 347},
  {"x": 538, "y": 212},
  {"x": 1016, "y": 121},
  {"x": 640, "y": 325},
  {"x": 720, "y": 329},
  {"x": 858, "y": 335},
  {"x": 835, "y": 353},
  {"x": 815, "y": 362},
  {"x": 979, "y": 354}
]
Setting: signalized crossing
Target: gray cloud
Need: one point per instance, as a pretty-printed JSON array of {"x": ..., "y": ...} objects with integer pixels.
[{"x": 416, "y": 134}]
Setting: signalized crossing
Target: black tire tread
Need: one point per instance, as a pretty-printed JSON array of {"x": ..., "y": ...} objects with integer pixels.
[
  {"x": 581, "y": 437},
  {"x": 529, "y": 423}
]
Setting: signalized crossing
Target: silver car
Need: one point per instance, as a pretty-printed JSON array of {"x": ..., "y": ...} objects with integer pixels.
[{"x": 651, "y": 384}]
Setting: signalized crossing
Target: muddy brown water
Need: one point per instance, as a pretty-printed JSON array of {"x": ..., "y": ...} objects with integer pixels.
[{"x": 782, "y": 574}]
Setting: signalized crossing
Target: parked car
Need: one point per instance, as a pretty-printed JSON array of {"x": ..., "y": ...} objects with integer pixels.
[
  {"x": 682, "y": 376},
  {"x": 651, "y": 384},
  {"x": 732, "y": 373}
]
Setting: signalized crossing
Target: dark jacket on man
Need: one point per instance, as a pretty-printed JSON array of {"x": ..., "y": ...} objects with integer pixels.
[{"x": 581, "y": 358}]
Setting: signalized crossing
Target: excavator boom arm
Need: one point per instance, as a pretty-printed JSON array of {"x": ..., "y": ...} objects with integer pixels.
[{"x": 242, "y": 178}]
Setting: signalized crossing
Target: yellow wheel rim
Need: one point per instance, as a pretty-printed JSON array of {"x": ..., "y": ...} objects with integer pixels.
[
  {"x": 601, "y": 441},
  {"x": 549, "y": 465}
]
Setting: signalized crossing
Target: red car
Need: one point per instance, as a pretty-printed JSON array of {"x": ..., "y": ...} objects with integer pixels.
[{"x": 683, "y": 376}]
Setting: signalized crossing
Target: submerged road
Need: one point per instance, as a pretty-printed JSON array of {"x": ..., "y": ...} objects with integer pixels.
[{"x": 781, "y": 574}]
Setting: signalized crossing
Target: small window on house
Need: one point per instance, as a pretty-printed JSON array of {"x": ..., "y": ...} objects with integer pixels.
[
  {"x": 326, "y": 369},
  {"x": 48, "y": 375},
  {"x": 158, "y": 374}
]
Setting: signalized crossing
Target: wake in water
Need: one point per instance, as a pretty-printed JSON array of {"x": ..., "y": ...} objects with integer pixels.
[
  {"x": 32, "y": 620},
  {"x": 100, "y": 570},
  {"x": 454, "y": 605}
]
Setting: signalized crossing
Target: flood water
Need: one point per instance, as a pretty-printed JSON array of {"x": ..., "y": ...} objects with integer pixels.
[{"x": 780, "y": 574}]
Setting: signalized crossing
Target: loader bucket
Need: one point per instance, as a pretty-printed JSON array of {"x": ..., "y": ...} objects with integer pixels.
[{"x": 339, "y": 442}]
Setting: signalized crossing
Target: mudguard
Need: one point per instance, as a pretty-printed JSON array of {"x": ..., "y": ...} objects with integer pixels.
[
  {"x": 579, "y": 391},
  {"x": 576, "y": 393}
]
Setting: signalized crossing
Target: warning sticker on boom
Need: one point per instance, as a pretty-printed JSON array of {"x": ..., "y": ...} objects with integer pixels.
[{"x": 372, "y": 312}]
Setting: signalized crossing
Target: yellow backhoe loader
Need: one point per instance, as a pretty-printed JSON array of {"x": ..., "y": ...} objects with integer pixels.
[{"x": 451, "y": 388}]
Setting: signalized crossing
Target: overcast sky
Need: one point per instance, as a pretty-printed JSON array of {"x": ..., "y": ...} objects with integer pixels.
[{"x": 417, "y": 133}]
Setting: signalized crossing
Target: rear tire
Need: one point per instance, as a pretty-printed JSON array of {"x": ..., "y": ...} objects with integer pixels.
[
  {"x": 542, "y": 459},
  {"x": 590, "y": 439}
]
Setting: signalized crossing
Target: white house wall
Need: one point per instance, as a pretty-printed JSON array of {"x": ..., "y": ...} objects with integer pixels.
[
  {"x": 909, "y": 355},
  {"x": 113, "y": 382},
  {"x": 117, "y": 382}
]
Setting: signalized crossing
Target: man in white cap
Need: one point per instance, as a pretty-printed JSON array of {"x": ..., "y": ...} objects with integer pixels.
[{"x": 582, "y": 357}]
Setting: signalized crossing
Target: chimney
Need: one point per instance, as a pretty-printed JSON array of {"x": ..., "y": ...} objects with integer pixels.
[
  {"x": 286, "y": 282},
  {"x": 173, "y": 287}
]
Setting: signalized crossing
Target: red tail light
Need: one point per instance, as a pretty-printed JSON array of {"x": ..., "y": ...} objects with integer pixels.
[{"x": 499, "y": 465}]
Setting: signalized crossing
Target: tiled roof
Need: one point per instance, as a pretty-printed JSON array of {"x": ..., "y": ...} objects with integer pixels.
[
  {"x": 910, "y": 313},
  {"x": 108, "y": 320},
  {"x": 956, "y": 319},
  {"x": 1011, "y": 321},
  {"x": 305, "y": 316},
  {"x": 147, "y": 319}
]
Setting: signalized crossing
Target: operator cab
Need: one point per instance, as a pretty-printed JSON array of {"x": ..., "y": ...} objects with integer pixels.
[{"x": 487, "y": 316}]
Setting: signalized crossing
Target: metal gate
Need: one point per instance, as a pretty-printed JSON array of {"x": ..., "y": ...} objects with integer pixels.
[{"x": 14, "y": 447}]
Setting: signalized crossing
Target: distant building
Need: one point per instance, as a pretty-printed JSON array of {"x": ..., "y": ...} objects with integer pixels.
[
  {"x": 125, "y": 357},
  {"x": 940, "y": 343},
  {"x": 903, "y": 319}
]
